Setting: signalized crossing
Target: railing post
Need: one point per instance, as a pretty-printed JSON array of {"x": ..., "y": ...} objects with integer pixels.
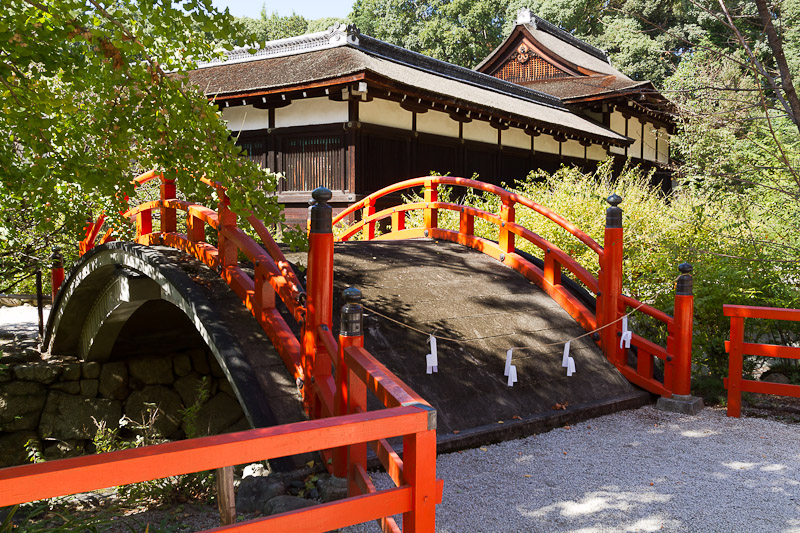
[
  {"x": 169, "y": 221},
  {"x": 368, "y": 231},
  {"x": 195, "y": 228},
  {"x": 466, "y": 223},
  {"x": 56, "y": 272},
  {"x": 398, "y": 220},
  {"x": 419, "y": 469},
  {"x": 228, "y": 254},
  {"x": 356, "y": 453},
  {"x": 611, "y": 282},
  {"x": 319, "y": 290},
  {"x": 684, "y": 313},
  {"x": 351, "y": 333},
  {"x": 506, "y": 239},
  {"x": 552, "y": 268},
  {"x": 735, "y": 364},
  {"x": 431, "y": 196},
  {"x": 144, "y": 223}
]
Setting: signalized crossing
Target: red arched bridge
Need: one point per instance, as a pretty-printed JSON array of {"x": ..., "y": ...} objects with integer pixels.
[{"x": 330, "y": 375}]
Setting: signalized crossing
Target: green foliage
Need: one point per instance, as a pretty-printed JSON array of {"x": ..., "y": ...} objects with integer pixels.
[
  {"x": 694, "y": 225},
  {"x": 87, "y": 102}
]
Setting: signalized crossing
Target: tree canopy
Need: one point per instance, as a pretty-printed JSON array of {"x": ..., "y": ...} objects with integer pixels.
[{"x": 90, "y": 96}]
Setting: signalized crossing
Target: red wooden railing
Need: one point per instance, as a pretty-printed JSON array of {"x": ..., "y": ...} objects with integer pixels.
[
  {"x": 737, "y": 349},
  {"x": 612, "y": 304},
  {"x": 343, "y": 428}
]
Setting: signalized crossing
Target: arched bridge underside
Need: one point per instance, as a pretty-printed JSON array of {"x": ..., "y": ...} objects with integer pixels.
[
  {"x": 126, "y": 300},
  {"x": 459, "y": 293}
]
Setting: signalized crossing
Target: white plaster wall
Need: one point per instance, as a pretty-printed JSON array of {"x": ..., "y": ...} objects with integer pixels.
[
  {"x": 596, "y": 153},
  {"x": 545, "y": 143},
  {"x": 245, "y": 118},
  {"x": 517, "y": 138},
  {"x": 635, "y": 133},
  {"x": 663, "y": 146},
  {"x": 481, "y": 131},
  {"x": 650, "y": 141},
  {"x": 385, "y": 113},
  {"x": 311, "y": 111},
  {"x": 617, "y": 125},
  {"x": 572, "y": 148},
  {"x": 437, "y": 123}
]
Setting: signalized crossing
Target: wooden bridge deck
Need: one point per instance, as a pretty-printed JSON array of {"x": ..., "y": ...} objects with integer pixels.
[{"x": 459, "y": 293}]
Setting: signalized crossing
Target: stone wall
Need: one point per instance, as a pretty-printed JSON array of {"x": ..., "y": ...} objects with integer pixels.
[{"x": 55, "y": 402}]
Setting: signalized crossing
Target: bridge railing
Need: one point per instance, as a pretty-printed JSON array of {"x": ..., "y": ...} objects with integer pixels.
[
  {"x": 737, "y": 349},
  {"x": 415, "y": 495},
  {"x": 611, "y": 303},
  {"x": 272, "y": 273}
]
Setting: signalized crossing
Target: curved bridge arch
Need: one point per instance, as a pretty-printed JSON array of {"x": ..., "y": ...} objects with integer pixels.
[{"x": 112, "y": 281}]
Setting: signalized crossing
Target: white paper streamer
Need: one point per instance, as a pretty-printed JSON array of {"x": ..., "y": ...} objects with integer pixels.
[
  {"x": 570, "y": 367},
  {"x": 512, "y": 375},
  {"x": 625, "y": 339},
  {"x": 432, "y": 359},
  {"x": 508, "y": 361},
  {"x": 565, "y": 359}
]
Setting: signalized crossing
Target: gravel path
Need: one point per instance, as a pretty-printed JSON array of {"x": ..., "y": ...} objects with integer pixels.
[
  {"x": 642, "y": 470},
  {"x": 21, "y": 320}
]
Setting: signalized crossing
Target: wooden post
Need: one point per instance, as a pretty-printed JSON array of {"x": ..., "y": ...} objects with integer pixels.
[
  {"x": 684, "y": 314},
  {"x": 552, "y": 269},
  {"x": 169, "y": 222},
  {"x": 506, "y": 239},
  {"x": 319, "y": 290},
  {"x": 356, "y": 453},
  {"x": 144, "y": 223},
  {"x": 368, "y": 231},
  {"x": 195, "y": 228},
  {"x": 466, "y": 223},
  {"x": 351, "y": 333},
  {"x": 431, "y": 196},
  {"x": 398, "y": 220},
  {"x": 228, "y": 252},
  {"x": 735, "y": 363},
  {"x": 56, "y": 273},
  {"x": 226, "y": 499},
  {"x": 419, "y": 470},
  {"x": 611, "y": 283}
]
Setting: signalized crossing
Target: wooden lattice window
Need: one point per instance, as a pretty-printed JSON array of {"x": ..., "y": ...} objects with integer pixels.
[
  {"x": 526, "y": 65},
  {"x": 311, "y": 161}
]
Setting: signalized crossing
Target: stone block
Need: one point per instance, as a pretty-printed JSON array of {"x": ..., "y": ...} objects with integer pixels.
[
  {"x": 69, "y": 387},
  {"x": 255, "y": 490},
  {"x": 332, "y": 488},
  {"x": 71, "y": 372},
  {"x": 67, "y": 417},
  {"x": 687, "y": 405},
  {"x": 21, "y": 404},
  {"x": 182, "y": 364},
  {"x": 89, "y": 387},
  {"x": 163, "y": 403},
  {"x": 90, "y": 370},
  {"x": 284, "y": 504},
  {"x": 215, "y": 415},
  {"x": 152, "y": 370},
  {"x": 63, "y": 449},
  {"x": 114, "y": 381},
  {"x": 38, "y": 372},
  {"x": 199, "y": 361},
  {"x": 13, "y": 447},
  {"x": 216, "y": 370},
  {"x": 189, "y": 388}
]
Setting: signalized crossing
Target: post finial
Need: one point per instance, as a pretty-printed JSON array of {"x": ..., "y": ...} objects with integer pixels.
[
  {"x": 685, "y": 268},
  {"x": 351, "y": 323},
  {"x": 685, "y": 285},
  {"x": 614, "y": 213},
  {"x": 320, "y": 212},
  {"x": 614, "y": 200}
]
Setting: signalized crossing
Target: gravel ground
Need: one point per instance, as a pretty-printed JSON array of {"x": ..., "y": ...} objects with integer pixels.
[
  {"x": 21, "y": 320},
  {"x": 642, "y": 470}
]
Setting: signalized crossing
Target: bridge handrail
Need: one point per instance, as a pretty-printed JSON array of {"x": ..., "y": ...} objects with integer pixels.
[
  {"x": 505, "y": 195},
  {"x": 80, "y": 474},
  {"x": 737, "y": 349}
]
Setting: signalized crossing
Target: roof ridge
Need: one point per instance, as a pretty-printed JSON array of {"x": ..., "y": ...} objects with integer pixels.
[{"x": 548, "y": 27}]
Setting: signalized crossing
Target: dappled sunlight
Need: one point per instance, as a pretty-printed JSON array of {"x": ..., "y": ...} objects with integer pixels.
[
  {"x": 650, "y": 523},
  {"x": 793, "y": 526},
  {"x": 738, "y": 465},
  {"x": 696, "y": 434},
  {"x": 597, "y": 502},
  {"x": 772, "y": 468}
]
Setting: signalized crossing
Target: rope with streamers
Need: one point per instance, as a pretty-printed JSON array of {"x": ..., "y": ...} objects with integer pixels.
[{"x": 462, "y": 341}]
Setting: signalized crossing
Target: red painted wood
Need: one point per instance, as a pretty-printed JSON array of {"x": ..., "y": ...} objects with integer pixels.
[
  {"x": 331, "y": 516},
  {"x": 682, "y": 358},
  {"x": 431, "y": 195},
  {"x": 774, "y": 313},
  {"x": 356, "y": 453},
  {"x": 419, "y": 469},
  {"x": 761, "y": 387},
  {"x": 368, "y": 232},
  {"x": 168, "y": 191},
  {"x": 610, "y": 280},
  {"x": 67, "y": 476},
  {"x": 506, "y": 238},
  {"x": 735, "y": 363},
  {"x": 319, "y": 311},
  {"x": 341, "y": 399}
]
